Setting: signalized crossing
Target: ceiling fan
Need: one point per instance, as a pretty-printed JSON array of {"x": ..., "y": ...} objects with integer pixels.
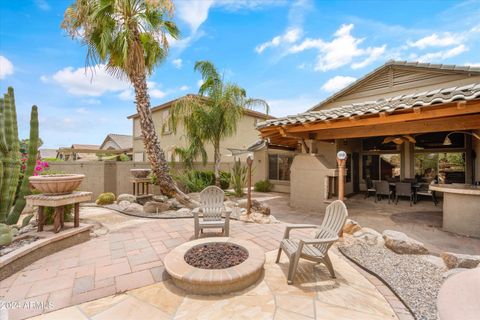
[{"x": 399, "y": 139}]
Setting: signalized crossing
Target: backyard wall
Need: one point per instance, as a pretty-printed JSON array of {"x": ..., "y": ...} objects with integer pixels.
[{"x": 114, "y": 176}]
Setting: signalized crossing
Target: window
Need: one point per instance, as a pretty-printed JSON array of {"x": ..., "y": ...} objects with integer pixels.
[
  {"x": 165, "y": 122},
  {"x": 279, "y": 167},
  {"x": 381, "y": 167},
  {"x": 138, "y": 157},
  {"x": 445, "y": 167},
  {"x": 348, "y": 166}
]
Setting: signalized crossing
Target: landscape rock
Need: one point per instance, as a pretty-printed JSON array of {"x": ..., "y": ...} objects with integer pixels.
[
  {"x": 160, "y": 198},
  {"x": 452, "y": 272},
  {"x": 236, "y": 212},
  {"x": 126, "y": 197},
  {"x": 174, "y": 204},
  {"x": 369, "y": 236},
  {"x": 400, "y": 243},
  {"x": 242, "y": 203},
  {"x": 184, "y": 211},
  {"x": 457, "y": 260},
  {"x": 144, "y": 199},
  {"x": 256, "y": 206},
  {"x": 258, "y": 217},
  {"x": 351, "y": 226},
  {"x": 124, "y": 204},
  {"x": 133, "y": 208},
  {"x": 154, "y": 207},
  {"x": 435, "y": 260}
]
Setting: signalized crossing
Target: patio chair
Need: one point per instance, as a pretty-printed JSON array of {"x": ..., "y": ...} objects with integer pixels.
[
  {"x": 370, "y": 187},
  {"x": 423, "y": 190},
  {"x": 315, "y": 249},
  {"x": 404, "y": 189},
  {"x": 382, "y": 188},
  {"x": 212, "y": 207}
]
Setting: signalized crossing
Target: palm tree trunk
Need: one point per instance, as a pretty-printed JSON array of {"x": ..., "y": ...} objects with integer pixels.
[
  {"x": 216, "y": 162},
  {"x": 151, "y": 142}
]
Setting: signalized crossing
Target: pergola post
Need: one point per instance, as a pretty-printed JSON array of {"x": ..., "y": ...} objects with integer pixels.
[
  {"x": 341, "y": 161},
  {"x": 249, "y": 190}
]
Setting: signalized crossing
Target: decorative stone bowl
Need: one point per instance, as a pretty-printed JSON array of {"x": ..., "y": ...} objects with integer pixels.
[
  {"x": 56, "y": 184},
  {"x": 140, "y": 173},
  {"x": 215, "y": 281}
]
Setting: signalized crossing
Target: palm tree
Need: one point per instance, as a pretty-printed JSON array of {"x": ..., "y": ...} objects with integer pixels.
[
  {"x": 130, "y": 38},
  {"x": 213, "y": 114}
]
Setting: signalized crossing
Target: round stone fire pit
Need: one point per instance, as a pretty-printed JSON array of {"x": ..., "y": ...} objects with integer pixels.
[{"x": 215, "y": 265}]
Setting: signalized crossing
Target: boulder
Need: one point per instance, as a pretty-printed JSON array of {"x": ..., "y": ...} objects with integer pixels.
[
  {"x": 126, "y": 197},
  {"x": 124, "y": 204},
  {"x": 154, "y": 207},
  {"x": 160, "y": 198},
  {"x": 369, "y": 236},
  {"x": 453, "y": 271},
  {"x": 133, "y": 208},
  {"x": 258, "y": 217},
  {"x": 174, "y": 204},
  {"x": 458, "y": 260},
  {"x": 144, "y": 199},
  {"x": 351, "y": 226},
  {"x": 257, "y": 206},
  {"x": 400, "y": 243}
]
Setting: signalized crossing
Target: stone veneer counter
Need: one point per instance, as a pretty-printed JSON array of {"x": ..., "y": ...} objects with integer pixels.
[
  {"x": 215, "y": 281},
  {"x": 461, "y": 208}
]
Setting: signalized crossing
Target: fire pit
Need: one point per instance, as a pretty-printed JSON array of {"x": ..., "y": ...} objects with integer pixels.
[{"x": 215, "y": 265}]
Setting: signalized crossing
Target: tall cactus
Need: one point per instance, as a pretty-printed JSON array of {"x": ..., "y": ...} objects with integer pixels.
[
  {"x": 10, "y": 154},
  {"x": 33, "y": 145}
]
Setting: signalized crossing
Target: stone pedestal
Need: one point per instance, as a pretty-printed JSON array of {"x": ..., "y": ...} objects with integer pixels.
[{"x": 140, "y": 183}]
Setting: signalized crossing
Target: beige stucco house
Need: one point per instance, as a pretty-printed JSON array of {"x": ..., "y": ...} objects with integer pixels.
[
  {"x": 245, "y": 136},
  {"x": 392, "y": 123}
]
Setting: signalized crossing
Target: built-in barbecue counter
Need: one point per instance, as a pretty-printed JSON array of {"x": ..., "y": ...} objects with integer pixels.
[{"x": 461, "y": 208}]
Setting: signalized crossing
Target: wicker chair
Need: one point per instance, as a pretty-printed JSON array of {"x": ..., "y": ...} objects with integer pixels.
[
  {"x": 315, "y": 249},
  {"x": 382, "y": 188},
  {"x": 212, "y": 207},
  {"x": 404, "y": 189}
]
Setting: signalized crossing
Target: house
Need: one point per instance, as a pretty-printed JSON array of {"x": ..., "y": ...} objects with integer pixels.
[
  {"x": 245, "y": 136},
  {"x": 80, "y": 152},
  {"x": 403, "y": 120},
  {"x": 115, "y": 141},
  {"x": 47, "y": 153}
]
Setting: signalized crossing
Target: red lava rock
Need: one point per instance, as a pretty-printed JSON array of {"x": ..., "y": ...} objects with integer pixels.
[{"x": 216, "y": 255}]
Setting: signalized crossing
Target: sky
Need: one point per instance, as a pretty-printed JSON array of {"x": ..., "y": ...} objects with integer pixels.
[{"x": 293, "y": 54}]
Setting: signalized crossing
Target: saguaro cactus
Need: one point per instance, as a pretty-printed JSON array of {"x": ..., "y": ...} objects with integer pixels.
[{"x": 10, "y": 155}]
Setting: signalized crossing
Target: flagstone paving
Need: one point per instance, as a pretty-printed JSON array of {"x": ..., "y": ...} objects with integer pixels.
[{"x": 121, "y": 273}]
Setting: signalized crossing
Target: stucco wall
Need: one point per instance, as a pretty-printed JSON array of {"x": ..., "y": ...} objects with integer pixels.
[{"x": 476, "y": 149}]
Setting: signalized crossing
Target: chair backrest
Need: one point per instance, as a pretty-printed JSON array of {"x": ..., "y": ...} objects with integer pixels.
[
  {"x": 369, "y": 183},
  {"x": 403, "y": 189},
  {"x": 382, "y": 187},
  {"x": 335, "y": 216},
  {"x": 212, "y": 203}
]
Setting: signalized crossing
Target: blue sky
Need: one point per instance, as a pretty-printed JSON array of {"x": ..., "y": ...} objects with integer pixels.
[{"x": 291, "y": 53}]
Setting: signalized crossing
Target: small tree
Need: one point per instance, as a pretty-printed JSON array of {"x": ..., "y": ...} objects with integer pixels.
[{"x": 213, "y": 114}]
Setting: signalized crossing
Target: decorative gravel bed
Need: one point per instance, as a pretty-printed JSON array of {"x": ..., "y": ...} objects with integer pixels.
[
  {"x": 216, "y": 255},
  {"x": 415, "y": 280},
  {"x": 17, "y": 244}
]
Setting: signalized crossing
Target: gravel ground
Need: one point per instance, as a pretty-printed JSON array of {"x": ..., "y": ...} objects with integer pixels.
[
  {"x": 216, "y": 256},
  {"x": 415, "y": 280}
]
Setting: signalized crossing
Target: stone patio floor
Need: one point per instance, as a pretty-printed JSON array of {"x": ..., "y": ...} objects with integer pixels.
[{"x": 121, "y": 274}]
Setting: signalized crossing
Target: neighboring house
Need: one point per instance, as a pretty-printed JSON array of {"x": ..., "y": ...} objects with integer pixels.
[
  {"x": 47, "y": 153},
  {"x": 115, "y": 141},
  {"x": 393, "y": 124},
  {"x": 83, "y": 152},
  {"x": 246, "y": 134}
]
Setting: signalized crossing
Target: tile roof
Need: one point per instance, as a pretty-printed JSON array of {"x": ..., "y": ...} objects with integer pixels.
[
  {"x": 85, "y": 146},
  {"x": 405, "y": 101},
  {"x": 124, "y": 141}
]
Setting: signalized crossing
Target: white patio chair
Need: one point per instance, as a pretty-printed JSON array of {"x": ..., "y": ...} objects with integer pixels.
[
  {"x": 316, "y": 249},
  {"x": 212, "y": 207}
]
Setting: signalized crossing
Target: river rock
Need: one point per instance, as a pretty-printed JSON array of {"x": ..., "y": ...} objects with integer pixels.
[
  {"x": 126, "y": 197},
  {"x": 154, "y": 207},
  {"x": 133, "y": 208},
  {"x": 142, "y": 199},
  {"x": 351, "y": 226},
  {"x": 160, "y": 198},
  {"x": 174, "y": 204},
  {"x": 458, "y": 260},
  {"x": 400, "y": 243},
  {"x": 369, "y": 236}
]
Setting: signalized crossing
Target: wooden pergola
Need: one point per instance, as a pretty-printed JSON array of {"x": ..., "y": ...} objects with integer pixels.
[{"x": 461, "y": 115}]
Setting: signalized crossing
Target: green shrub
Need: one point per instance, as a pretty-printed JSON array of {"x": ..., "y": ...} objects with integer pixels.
[
  {"x": 263, "y": 186},
  {"x": 195, "y": 180},
  {"x": 239, "y": 178},
  {"x": 105, "y": 198},
  {"x": 123, "y": 157},
  {"x": 52, "y": 160},
  {"x": 67, "y": 214},
  {"x": 225, "y": 178}
]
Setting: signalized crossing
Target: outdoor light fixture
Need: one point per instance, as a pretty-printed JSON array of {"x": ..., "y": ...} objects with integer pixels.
[
  {"x": 448, "y": 142},
  {"x": 341, "y": 155}
]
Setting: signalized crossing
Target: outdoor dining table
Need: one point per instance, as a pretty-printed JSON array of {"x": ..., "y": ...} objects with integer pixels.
[{"x": 415, "y": 187}]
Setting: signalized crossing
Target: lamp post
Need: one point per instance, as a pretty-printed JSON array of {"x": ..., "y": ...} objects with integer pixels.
[
  {"x": 249, "y": 190},
  {"x": 341, "y": 161}
]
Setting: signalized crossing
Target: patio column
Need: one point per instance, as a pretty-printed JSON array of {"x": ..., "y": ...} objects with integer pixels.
[{"x": 341, "y": 160}]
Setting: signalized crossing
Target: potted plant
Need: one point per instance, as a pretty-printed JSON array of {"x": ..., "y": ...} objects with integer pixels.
[{"x": 56, "y": 183}]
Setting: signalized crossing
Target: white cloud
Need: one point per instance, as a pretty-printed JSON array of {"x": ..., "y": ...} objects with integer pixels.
[
  {"x": 44, "y": 79},
  {"x": 234, "y": 5},
  {"x": 200, "y": 82},
  {"x": 88, "y": 82},
  {"x": 338, "y": 82},
  {"x": 289, "y": 37},
  {"x": 342, "y": 50},
  {"x": 434, "y": 40},
  {"x": 42, "y": 5},
  {"x": 156, "y": 93},
  {"x": 184, "y": 88},
  {"x": 471, "y": 64},
  {"x": 442, "y": 55},
  {"x": 177, "y": 63},
  {"x": 91, "y": 101},
  {"x": 6, "y": 67},
  {"x": 126, "y": 95},
  {"x": 194, "y": 13}
]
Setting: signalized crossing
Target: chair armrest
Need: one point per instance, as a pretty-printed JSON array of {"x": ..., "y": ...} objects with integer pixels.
[
  {"x": 227, "y": 215},
  {"x": 319, "y": 241},
  {"x": 297, "y": 226}
]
